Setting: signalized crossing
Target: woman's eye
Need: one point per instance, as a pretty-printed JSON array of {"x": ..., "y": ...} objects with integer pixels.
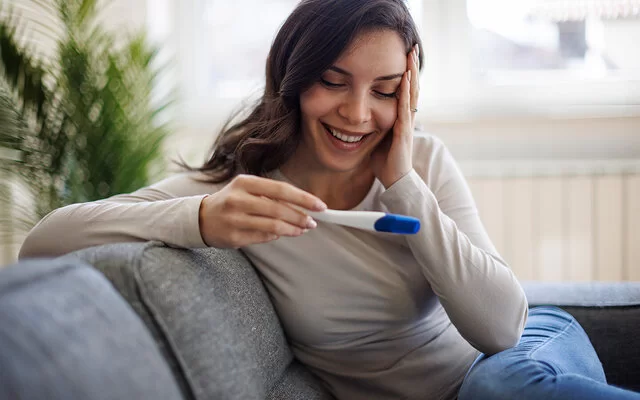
[
  {"x": 330, "y": 84},
  {"x": 386, "y": 95},
  {"x": 333, "y": 85}
]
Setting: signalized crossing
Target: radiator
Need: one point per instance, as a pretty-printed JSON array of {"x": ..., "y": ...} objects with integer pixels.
[{"x": 562, "y": 220}]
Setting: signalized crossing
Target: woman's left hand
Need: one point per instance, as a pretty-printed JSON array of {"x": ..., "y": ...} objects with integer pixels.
[{"x": 391, "y": 160}]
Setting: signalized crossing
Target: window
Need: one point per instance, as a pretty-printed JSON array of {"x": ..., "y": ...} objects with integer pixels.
[
  {"x": 236, "y": 42},
  {"x": 483, "y": 57},
  {"x": 587, "y": 40},
  {"x": 541, "y": 57}
]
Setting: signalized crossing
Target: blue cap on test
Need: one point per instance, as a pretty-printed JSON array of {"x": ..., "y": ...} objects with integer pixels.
[{"x": 397, "y": 224}]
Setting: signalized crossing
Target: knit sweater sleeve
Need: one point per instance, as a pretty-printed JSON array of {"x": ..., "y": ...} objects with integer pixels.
[
  {"x": 479, "y": 292},
  {"x": 166, "y": 211}
]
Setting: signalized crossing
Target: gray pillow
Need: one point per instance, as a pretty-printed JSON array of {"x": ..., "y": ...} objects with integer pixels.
[{"x": 65, "y": 333}]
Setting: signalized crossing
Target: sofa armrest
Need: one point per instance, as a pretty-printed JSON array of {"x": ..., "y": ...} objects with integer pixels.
[
  {"x": 609, "y": 313},
  {"x": 65, "y": 333}
]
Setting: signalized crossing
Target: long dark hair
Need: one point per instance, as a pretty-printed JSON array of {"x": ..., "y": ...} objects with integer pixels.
[{"x": 311, "y": 39}]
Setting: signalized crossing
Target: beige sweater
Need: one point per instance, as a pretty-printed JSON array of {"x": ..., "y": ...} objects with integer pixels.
[{"x": 374, "y": 315}]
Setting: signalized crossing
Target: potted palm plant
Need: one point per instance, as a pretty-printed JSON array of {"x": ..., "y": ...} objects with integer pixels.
[{"x": 80, "y": 126}]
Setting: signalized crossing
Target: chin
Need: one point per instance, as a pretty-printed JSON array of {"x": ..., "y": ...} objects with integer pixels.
[{"x": 331, "y": 164}]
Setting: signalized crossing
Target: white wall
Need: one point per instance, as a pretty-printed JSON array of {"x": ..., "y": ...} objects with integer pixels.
[{"x": 542, "y": 138}]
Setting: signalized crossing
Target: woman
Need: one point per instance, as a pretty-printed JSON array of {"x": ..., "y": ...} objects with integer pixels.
[{"x": 374, "y": 316}]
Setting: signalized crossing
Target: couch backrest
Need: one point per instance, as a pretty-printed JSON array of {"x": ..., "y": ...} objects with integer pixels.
[{"x": 211, "y": 317}]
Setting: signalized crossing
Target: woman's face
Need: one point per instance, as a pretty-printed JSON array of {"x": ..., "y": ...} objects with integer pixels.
[{"x": 353, "y": 106}]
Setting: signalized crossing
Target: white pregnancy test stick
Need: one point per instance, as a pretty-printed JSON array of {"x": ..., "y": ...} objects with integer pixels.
[{"x": 370, "y": 220}]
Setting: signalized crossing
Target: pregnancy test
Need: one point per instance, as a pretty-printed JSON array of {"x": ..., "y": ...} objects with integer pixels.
[{"x": 370, "y": 220}]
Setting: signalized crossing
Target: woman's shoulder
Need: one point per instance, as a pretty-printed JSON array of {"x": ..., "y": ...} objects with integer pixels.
[
  {"x": 427, "y": 146},
  {"x": 431, "y": 157}
]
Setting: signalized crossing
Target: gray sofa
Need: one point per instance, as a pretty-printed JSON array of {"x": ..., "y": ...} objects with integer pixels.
[{"x": 134, "y": 321}]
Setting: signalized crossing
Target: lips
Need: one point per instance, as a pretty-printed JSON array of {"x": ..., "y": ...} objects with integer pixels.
[
  {"x": 345, "y": 137},
  {"x": 345, "y": 140},
  {"x": 352, "y": 143}
]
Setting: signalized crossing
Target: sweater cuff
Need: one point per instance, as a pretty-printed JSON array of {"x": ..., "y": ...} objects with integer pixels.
[{"x": 191, "y": 235}]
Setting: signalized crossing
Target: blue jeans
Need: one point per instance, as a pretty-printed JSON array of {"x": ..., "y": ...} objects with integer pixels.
[{"x": 554, "y": 360}]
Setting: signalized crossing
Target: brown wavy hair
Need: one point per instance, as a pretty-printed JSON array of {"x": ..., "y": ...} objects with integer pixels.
[{"x": 311, "y": 39}]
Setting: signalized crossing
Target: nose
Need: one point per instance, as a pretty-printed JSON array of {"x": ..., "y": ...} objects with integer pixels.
[{"x": 355, "y": 109}]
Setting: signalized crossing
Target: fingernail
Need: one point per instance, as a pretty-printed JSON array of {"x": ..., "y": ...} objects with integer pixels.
[
  {"x": 320, "y": 205},
  {"x": 311, "y": 224},
  {"x": 409, "y": 76}
]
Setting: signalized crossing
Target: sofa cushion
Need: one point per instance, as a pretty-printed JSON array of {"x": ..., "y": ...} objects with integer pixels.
[
  {"x": 65, "y": 333},
  {"x": 211, "y": 316},
  {"x": 609, "y": 313},
  {"x": 297, "y": 383}
]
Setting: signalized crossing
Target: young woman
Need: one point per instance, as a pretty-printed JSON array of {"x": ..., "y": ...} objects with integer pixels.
[{"x": 373, "y": 315}]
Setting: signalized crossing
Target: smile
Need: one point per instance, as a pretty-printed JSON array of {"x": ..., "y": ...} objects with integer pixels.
[{"x": 344, "y": 137}]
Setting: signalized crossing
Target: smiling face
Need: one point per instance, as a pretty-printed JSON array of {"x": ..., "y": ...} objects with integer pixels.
[{"x": 353, "y": 106}]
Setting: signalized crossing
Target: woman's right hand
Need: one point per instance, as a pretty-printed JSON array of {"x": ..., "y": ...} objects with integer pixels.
[{"x": 252, "y": 210}]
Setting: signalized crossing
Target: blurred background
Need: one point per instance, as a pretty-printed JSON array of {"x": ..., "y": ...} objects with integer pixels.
[{"x": 538, "y": 100}]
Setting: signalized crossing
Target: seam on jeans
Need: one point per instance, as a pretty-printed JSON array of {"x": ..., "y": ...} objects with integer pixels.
[{"x": 532, "y": 352}]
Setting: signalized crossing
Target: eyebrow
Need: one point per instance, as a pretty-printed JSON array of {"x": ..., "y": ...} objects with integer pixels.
[{"x": 380, "y": 78}]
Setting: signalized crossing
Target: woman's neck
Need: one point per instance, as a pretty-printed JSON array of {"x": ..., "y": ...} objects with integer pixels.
[{"x": 339, "y": 190}]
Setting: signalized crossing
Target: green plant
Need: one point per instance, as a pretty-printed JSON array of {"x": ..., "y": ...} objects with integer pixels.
[{"x": 83, "y": 125}]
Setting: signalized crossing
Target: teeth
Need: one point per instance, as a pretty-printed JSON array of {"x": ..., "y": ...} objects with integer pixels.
[{"x": 345, "y": 138}]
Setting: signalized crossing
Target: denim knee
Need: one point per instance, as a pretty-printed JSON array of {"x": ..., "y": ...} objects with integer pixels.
[
  {"x": 553, "y": 343},
  {"x": 560, "y": 340},
  {"x": 552, "y": 311},
  {"x": 496, "y": 382}
]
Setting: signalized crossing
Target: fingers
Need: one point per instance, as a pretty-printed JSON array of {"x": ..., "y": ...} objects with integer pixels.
[
  {"x": 265, "y": 207},
  {"x": 258, "y": 210},
  {"x": 233, "y": 217},
  {"x": 246, "y": 237},
  {"x": 280, "y": 191},
  {"x": 414, "y": 67},
  {"x": 270, "y": 226},
  {"x": 409, "y": 90},
  {"x": 404, "y": 102}
]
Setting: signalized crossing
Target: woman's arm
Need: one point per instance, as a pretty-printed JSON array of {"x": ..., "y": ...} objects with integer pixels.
[
  {"x": 477, "y": 289},
  {"x": 166, "y": 211},
  {"x": 181, "y": 211}
]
